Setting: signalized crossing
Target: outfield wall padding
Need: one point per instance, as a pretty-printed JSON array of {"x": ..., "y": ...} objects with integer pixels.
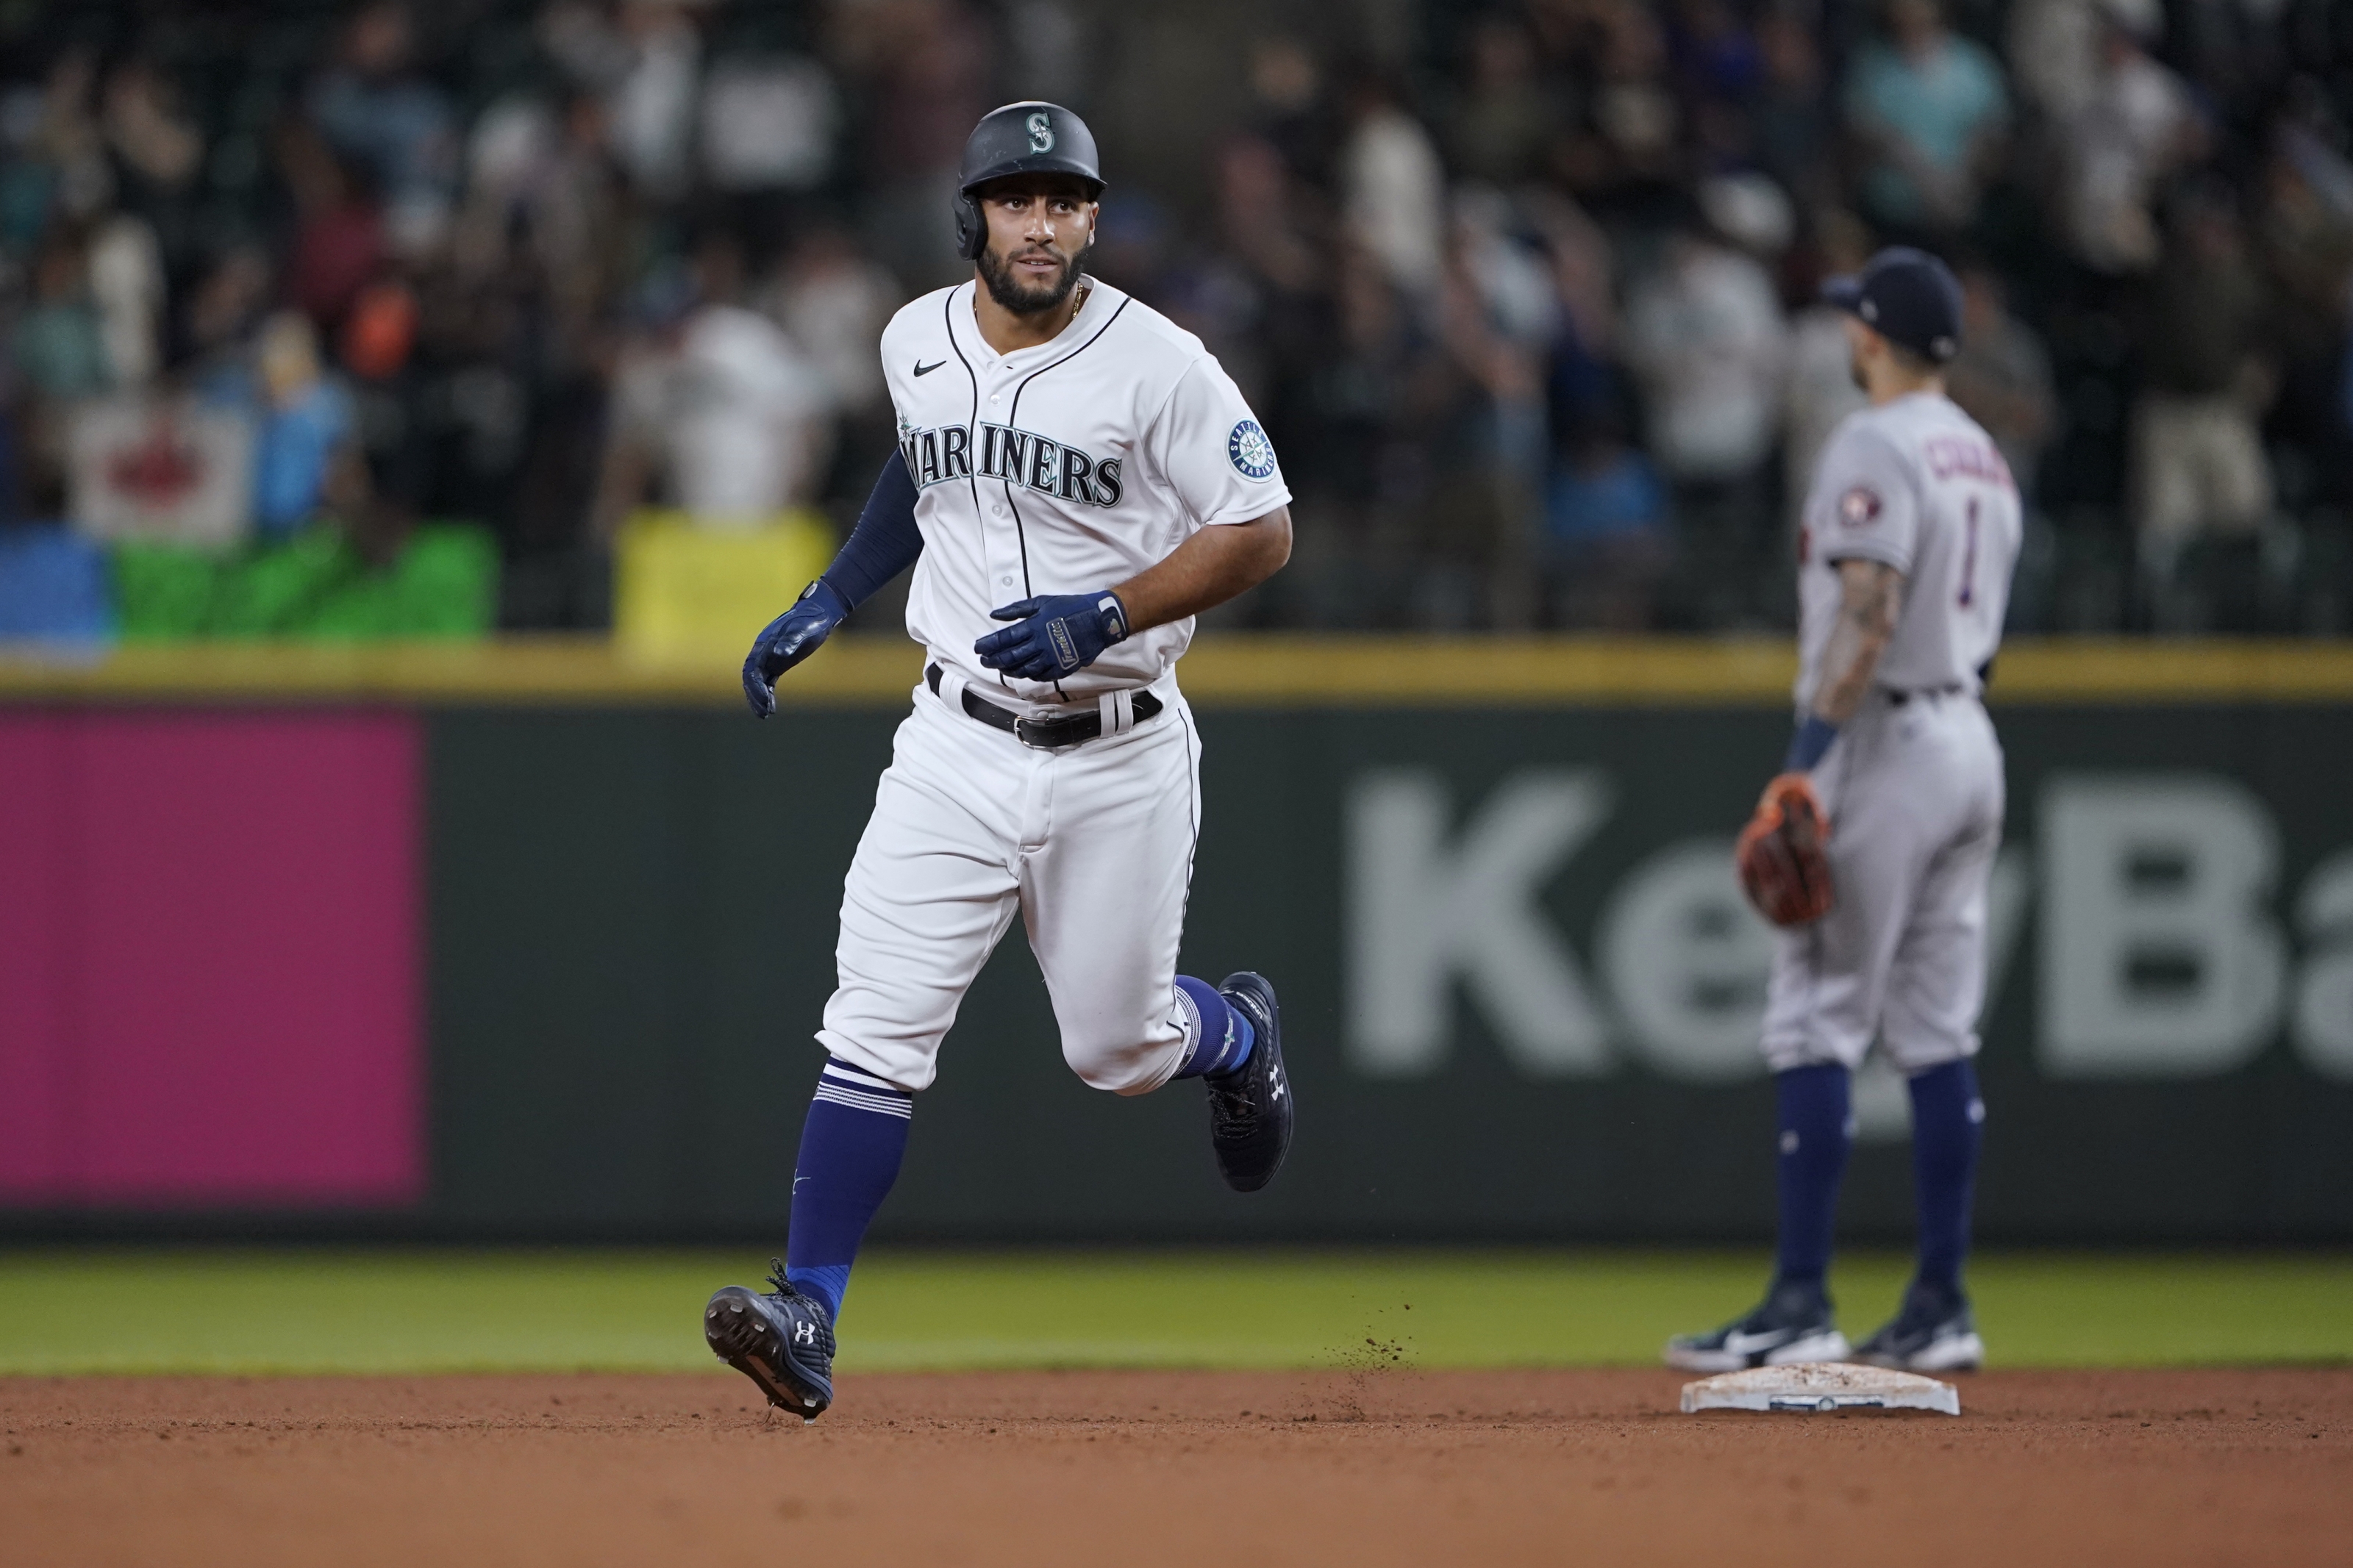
[{"x": 1519, "y": 985}]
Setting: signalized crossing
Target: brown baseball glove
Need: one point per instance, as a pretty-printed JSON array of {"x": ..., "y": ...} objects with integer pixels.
[{"x": 1783, "y": 865}]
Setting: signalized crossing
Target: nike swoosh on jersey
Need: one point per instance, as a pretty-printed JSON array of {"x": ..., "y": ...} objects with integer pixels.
[{"x": 923, "y": 369}]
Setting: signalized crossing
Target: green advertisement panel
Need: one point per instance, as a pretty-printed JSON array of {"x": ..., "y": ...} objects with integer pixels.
[{"x": 1520, "y": 987}]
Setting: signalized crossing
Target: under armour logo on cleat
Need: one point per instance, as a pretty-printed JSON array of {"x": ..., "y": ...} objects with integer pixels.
[
  {"x": 803, "y": 1333},
  {"x": 1276, "y": 1079}
]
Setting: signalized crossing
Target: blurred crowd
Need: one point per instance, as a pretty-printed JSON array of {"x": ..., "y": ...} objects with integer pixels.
[{"x": 1522, "y": 290}]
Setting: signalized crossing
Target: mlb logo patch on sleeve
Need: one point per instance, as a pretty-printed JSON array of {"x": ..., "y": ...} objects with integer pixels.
[
  {"x": 1859, "y": 507},
  {"x": 1252, "y": 453}
]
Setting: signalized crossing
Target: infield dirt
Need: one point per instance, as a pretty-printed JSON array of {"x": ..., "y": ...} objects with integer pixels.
[{"x": 1364, "y": 1467}]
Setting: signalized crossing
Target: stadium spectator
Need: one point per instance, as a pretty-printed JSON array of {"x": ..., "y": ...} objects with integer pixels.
[
  {"x": 1506, "y": 119},
  {"x": 1706, "y": 343},
  {"x": 2053, "y": 47},
  {"x": 59, "y": 346},
  {"x": 1291, "y": 109},
  {"x": 1820, "y": 389},
  {"x": 1716, "y": 69},
  {"x": 2132, "y": 124},
  {"x": 1930, "y": 109},
  {"x": 1635, "y": 123},
  {"x": 146, "y": 129},
  {"x": 1791, "y": 126},
  {"x": 340, "y": 238},
  {"x": 1393, "y": 188},
  {"x": 2001, "y": 377},
  {"x": 126, "y": 289},
  {"x": 305, "y": 454},
  {"x": 1367, "y": 432},
  {"x": 718, "y": 408},
  {"x": 158, "y": 156},
  {"x": 1607, "y": 535},
  {"x": 2305, "y": 240},
  {"x": 651, "y": 106},
  {"x": 378, "y": 111},
  {"x": 64, "y": 145},
  {"x": 833, "y": 303},
  {"x": 2199, "y": 465},
  {"x": 1705, "y": 339},
  {"x": 922, "y": 68},
  {"x": 767, "y": 125}
]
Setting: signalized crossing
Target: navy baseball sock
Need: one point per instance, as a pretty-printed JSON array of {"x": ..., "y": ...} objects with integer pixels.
[
  {"x": 1947, "y": 1127},
  {"x": 850, "y": 1148},
  {"x": 1221, "y": 1037},
  {"x": 1816, "y": 1128}
]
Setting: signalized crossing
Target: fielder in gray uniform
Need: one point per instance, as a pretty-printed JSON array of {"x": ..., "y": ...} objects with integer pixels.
[{"x": 1911, "y": 531}]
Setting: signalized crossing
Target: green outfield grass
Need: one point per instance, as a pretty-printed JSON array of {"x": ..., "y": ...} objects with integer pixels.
[{"x": 404, "y": 1310}]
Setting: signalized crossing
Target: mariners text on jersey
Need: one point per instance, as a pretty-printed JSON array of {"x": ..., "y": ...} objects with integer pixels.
[
  {"x": 1066, "y": 467},
  {"x": 1018, "y": 457}
]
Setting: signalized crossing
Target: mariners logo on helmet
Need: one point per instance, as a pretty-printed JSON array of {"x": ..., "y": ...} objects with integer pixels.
[
  {"x": 1252, "y": 453},
  {"x": 1042, "y": 132}
]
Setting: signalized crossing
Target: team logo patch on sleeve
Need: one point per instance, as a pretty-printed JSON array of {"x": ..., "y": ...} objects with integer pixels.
[
  {"x": 1859, "y": 507},
  {"x": 1252, "y": 452}
]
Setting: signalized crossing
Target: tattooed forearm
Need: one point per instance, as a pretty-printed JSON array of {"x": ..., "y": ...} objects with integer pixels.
[{"x": 1871, "y": 595}]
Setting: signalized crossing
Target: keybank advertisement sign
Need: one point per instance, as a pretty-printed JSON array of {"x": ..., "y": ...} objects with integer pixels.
[
  {"x": 1522, "y": 976},
  {"x": 2165, "y": 943}
]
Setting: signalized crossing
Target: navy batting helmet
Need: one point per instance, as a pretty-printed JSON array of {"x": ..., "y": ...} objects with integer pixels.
[{"x": 1032, "y": 137}]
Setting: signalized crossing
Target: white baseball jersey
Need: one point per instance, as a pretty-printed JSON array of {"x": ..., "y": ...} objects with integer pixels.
[
  {"x": 1913, "y": 786},
  {"x": 1918, "y": 485},
  {"x": 1063, "y": 468}
]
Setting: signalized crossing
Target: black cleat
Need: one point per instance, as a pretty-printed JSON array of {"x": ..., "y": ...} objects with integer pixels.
[
  {"x": 780, "y": 1341},
  {"x": 1249, "y": 1108},
  {"x": 1794, "y": 1324},
  {"x": 1933, "y": 1331}
]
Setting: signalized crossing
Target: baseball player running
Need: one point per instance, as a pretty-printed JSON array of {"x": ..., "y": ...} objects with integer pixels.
[
  {"x": 1076, "y": 479},
  {"x": 1872, "y": 847}
]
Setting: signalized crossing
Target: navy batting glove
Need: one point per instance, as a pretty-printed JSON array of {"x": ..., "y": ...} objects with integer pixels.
[
  {"x": 790, "y": 638},
  {"x": 1053, "y": 636}
]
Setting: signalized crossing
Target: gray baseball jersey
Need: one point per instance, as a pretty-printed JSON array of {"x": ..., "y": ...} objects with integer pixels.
[
  {"x": 1916, "y": 484},
  {"x": 1913, "y": 783}
]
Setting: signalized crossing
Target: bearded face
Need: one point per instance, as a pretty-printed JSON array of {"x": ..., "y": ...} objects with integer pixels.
[
  {"x": 1038, "y": 233},
  {"x": 1021, "y": 286}
]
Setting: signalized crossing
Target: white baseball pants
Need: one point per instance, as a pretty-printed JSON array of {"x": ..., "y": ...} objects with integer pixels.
[
  {"x": 1915, "y": 795},
  {"x": 1093, "y": 843}
]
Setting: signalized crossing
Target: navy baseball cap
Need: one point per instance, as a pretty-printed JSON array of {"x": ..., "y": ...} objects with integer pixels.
[{"x": 1908, "y": 297}]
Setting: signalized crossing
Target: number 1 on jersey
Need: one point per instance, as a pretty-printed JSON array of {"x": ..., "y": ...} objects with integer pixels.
[{"x": 1969, "y": 558}]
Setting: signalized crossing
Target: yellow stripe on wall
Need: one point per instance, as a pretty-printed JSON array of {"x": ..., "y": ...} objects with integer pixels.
[{"x": 1231, "y": 669}]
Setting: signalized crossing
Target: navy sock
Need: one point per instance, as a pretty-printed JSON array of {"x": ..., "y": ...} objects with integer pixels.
[
  {"x": 850, "y": 1148},
  {"x": 1947, "y": 1128},
  {"x": 1816, "y": 1128},
  {"x": 1223, "y": 1039}
]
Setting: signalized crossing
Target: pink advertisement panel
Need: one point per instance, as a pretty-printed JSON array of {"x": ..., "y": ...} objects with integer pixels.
[{"x": 211, "y": 959}]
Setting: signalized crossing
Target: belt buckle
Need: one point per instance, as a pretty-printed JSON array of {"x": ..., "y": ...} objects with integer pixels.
[{"x": 1021, "y": 732}]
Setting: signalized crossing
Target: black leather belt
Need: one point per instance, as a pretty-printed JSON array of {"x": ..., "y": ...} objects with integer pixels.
[
  {"x": 1046, "y": 734},
  {"x": 1898, "y": 696}
]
